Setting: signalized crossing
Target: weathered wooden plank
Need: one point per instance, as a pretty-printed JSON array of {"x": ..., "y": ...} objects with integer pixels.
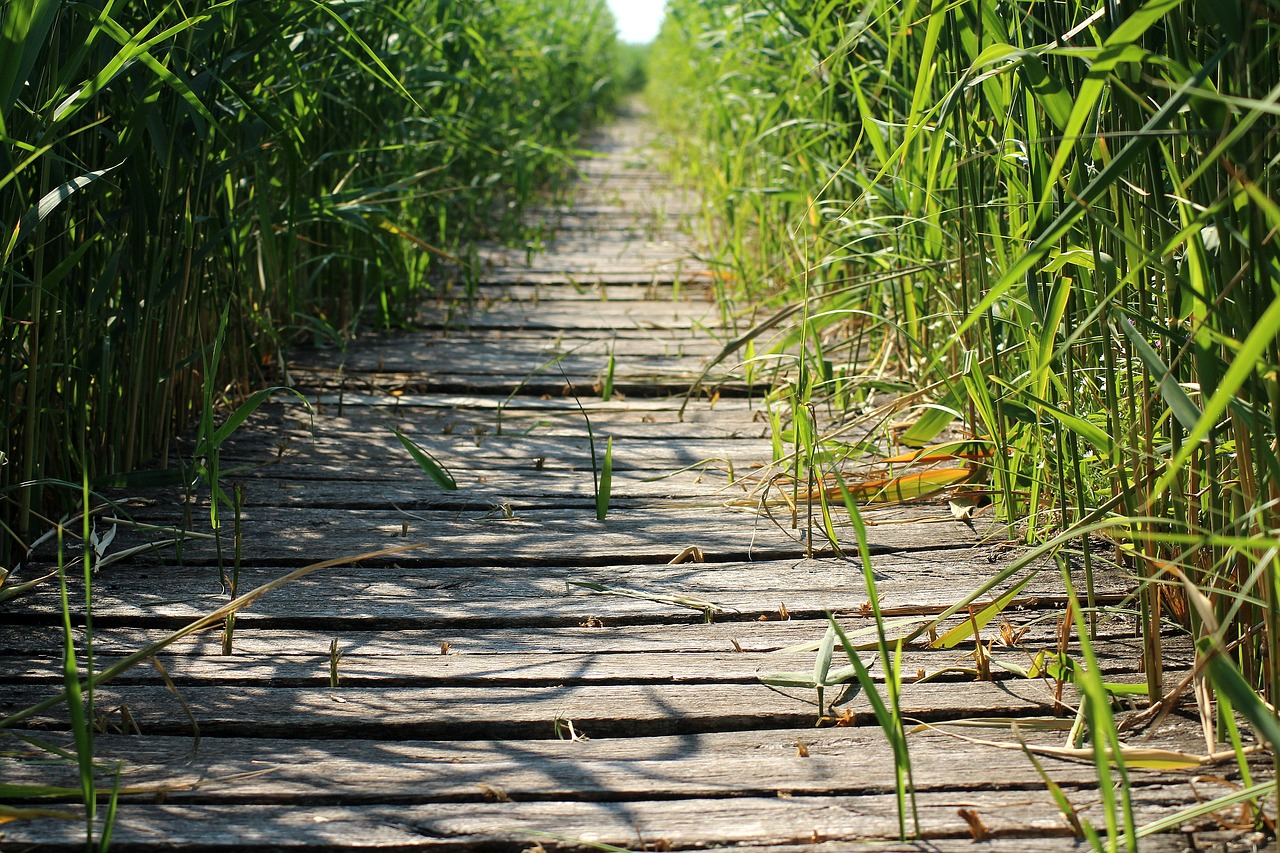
[
  {"x": 355, "y": 422},
  {"x": 485, "y": 490},
  {"x": 518, "y": 712},
  {"x": 538, "y": 536},
  {"x": 642, "y": 343},
  {"x": 444, "y": 593},
  {"x": 588, "y": 208},
  {"x": 357, "y": 668},
  {"x": 365, "y": 613},
  {"x": 502, "y": 351},
  {"x": 732, "y": 474},
  {"x": 661, "y": 340},
  {"x": 355, "y": 415},
  {"x": 670, "y": 274},
  {"x": 585, "y": 386},
  {"x": 519, "y": 474},
  {"x": 605, "y": 251},
  {"x": 648, "y": 237},
  {"x": 698, "y": 765},
  {"x": 682, "y": 824},
  {"x": 552, "y": 536},
  {"x": 520, "y": 402},
  {"x": 573, "y": 267},
  {"x": 486, "y": 487},
  {"x": 695, "y": 292},
  {"x": 498, "y": 387},
  {"x": 499, "y": 359},
  {"x": 605, "y": 316},
  {"x": 616, "y": 639},
  {"x": 461, "y": 449},
  {"x": 537, "y": 377},
  {"x": 470, "y": 447},
  {"x": 612, "y": 222},
  {"x": 537, "y": 374},
  {"x": 466, "y": 447},
  {"x": 635, "y": 246},
  {"x": 596, "y": 204},
  {"x": 614, "y": 227},
  {"x": 590, "y": 199}
]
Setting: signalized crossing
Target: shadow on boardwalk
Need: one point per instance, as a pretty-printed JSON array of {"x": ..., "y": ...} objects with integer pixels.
[{"x": 484, "y": 699}]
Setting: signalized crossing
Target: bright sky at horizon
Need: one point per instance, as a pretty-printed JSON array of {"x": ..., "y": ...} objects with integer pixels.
[{"x": 638, "y": 20}]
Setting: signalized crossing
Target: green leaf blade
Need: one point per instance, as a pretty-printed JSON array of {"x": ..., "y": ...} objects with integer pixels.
[{"x": 428, "y": 463}]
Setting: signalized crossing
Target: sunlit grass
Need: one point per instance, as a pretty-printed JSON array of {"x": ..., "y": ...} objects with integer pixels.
[{"x": 1057, "y": 223}]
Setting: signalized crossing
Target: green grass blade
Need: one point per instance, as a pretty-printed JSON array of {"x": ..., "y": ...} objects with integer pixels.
[
  {"x": 1243, "y": 363},
  {"x": 605, "y": 487},
  {"x": 248, "y": 407},
  {"x": 24, "y": 33},
  {"x": 428, "y": 463},
  {"x": 1187, "y": 412},
  {"x": 1079, "y": 205},
  {"x": 1227, "y": 678}
]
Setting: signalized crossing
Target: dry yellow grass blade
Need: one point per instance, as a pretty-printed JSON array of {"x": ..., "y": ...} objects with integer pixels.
[
  {"x": 951, "y": 451},
  {"x": 907, "y": 487},
  {"x": 1145, "y": 758},
  {"x": 11, "y": 813},
  {"x": 902, "y": 489},
  {"x": 692, "y": 554}
]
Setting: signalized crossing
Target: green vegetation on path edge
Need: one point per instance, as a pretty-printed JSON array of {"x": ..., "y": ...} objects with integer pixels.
[
  {"x": 1027, "y": 253},
  {"x": 189, "y": 191}
]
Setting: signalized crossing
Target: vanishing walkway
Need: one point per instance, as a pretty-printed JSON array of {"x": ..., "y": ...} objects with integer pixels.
[{"x": 531, "y": 676}]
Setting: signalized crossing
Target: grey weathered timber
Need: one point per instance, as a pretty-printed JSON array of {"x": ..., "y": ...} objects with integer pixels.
[
  {"x": 717, "y": 764},
  {"x": 413, "y": 593},
  {"x": 538, "y": 536},
  {"x": 528, "y": 677},
  {"x": 501, "y": 710},
  {"x": 546, "y": 403},
  {"x": 612, "y": 637},
  {"x": 556, "y": 453},
  {"x": 356, "y": 669},
  {"x": 631, "y": 824},
  {"x": 606, "y": 316}
]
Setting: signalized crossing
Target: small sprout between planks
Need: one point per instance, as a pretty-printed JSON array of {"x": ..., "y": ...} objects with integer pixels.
[
  {"x": 335, "y": 656},
  {"x": 564, "y": 730}
]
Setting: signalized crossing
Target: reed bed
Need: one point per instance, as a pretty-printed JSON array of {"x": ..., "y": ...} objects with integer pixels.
[
  {"x": 187, "y": 191},
  {"x": 1033, "y": 246}
]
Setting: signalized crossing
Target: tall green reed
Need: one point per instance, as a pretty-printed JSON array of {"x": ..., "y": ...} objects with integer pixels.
[
  {"x": 291, "y": 164},
  {"x": 186, "y": 192},
  {"x": 1082, "y": 197}
]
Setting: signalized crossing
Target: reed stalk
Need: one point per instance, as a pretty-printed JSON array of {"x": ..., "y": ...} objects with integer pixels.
[
  {"x": 293, "y": 164},
  {"x": 1086, "y": 197}
]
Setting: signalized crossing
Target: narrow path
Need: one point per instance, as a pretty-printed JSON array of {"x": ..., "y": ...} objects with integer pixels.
[{"x": 531, "y": 677}]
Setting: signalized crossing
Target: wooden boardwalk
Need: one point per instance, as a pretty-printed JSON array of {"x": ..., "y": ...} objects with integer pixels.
[{"x": 528, "y": 677}]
